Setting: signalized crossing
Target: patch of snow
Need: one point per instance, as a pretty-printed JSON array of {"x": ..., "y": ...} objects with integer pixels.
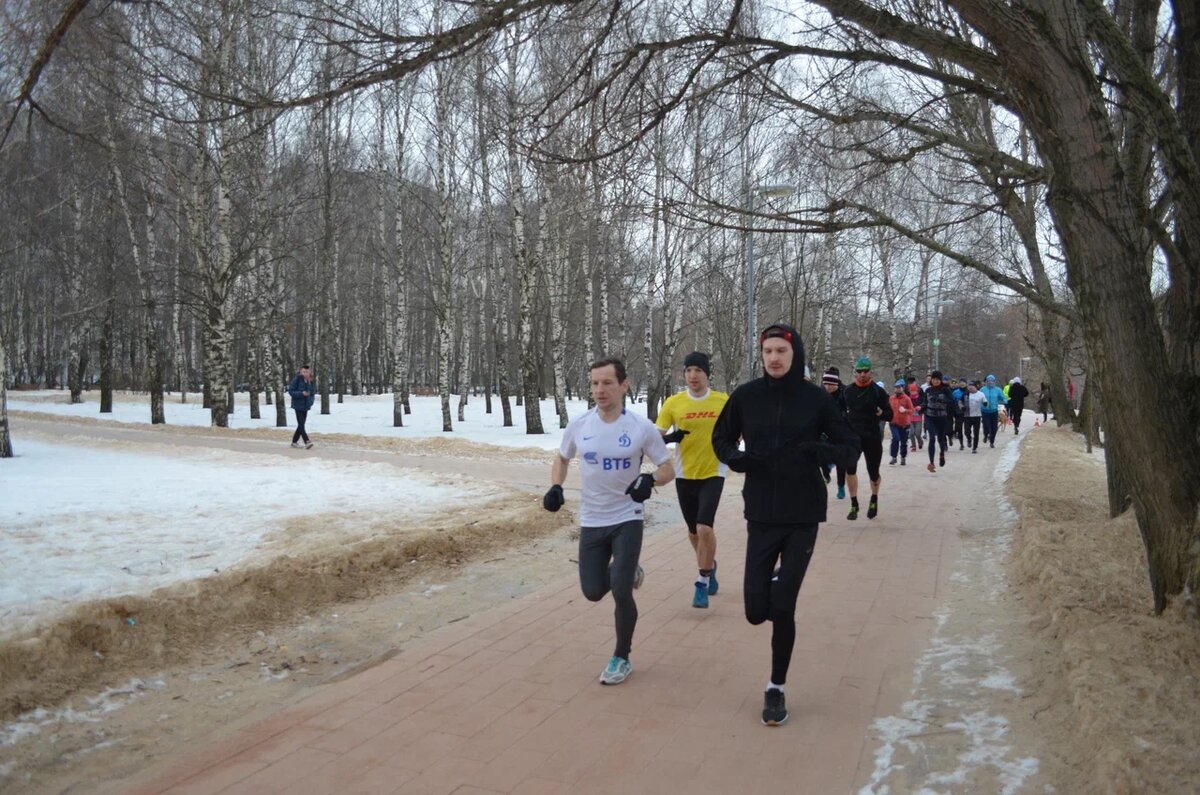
[
  {"x": 79, "y": 523},
  {"x": 365, "y": 415}
]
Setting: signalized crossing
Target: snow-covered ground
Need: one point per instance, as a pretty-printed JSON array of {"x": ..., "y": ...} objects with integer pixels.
[
  {"x": 79, "y": 523},
  {"x": 369, "y": 415}
]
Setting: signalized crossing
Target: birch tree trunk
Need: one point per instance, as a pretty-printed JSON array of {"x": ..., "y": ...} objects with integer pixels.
[
  {"x": 523, "y": 264},
  {"x": 444, "y": 294},
  {"x": 6, "y": 448},
  {"x": 77, "y": 331}
]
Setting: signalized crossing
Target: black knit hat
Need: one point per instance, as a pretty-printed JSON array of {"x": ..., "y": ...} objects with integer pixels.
[
  {"x": 698, "y": 359},
  {"x": 831, "y": 376},
  {"x": 784, "y": 331}
]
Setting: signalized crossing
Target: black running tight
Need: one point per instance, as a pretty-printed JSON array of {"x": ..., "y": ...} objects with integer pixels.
[{"x": 791, "y": 547}]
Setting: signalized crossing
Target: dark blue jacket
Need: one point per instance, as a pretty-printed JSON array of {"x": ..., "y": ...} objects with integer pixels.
[{"x": 300, "y": 401}]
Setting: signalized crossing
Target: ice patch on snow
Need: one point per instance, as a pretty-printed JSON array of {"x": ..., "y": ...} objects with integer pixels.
[
  {"x": 954, "y": 676},
  {"x": 106, "y": 701}
]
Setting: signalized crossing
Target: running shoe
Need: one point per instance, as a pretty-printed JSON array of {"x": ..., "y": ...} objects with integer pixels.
[
  {"x": 872, "y": 508},
  {"x": 638, "y": 577},
  {"x": 712, "y": 580},
  {"x": 841, "y": 492},
  {"x": 774, "y": 708},
  {"x": 825, "y": 473},
  {"x": 942, "y": 459},
  {"x": 700, "y": 598},
  {"x": 903, "y": 462},
  {"x": 296, "y": 445},
  {"x": 308, "y": 445},
  {"x": 974, "y": 450},
  {"x": 931, "y": 467},
  {"x": 616, "y": 672},
  {"x": 853, "y": 513},
  {"x": 892, "y": 462}
]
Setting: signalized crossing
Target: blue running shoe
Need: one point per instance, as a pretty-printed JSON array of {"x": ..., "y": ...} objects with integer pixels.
[
  {"x": 712, "y": 580},
  {"x": 616, "y": 672},
  {"x": 841, "y": 492},
  {"x": 700, "y": 599}
]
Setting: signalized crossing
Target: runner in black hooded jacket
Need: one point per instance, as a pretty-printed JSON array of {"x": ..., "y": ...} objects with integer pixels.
[{"x": 780, "y": 418}]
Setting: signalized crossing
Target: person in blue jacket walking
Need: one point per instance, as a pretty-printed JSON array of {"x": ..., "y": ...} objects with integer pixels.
[
  {"x": 301, "y": 389},
  {"x": 993, "y": 399}
]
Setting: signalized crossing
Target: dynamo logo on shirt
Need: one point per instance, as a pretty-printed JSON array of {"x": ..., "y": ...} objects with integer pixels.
[{"x": 624, "y": 440}]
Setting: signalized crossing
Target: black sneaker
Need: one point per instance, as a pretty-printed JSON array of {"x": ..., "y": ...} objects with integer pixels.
[
  {"x": 774, "y": 709},
  {"x": 942, "y": 459},
  {"x": 853, "y": 513},
  {"x": 872, "y": 508}
]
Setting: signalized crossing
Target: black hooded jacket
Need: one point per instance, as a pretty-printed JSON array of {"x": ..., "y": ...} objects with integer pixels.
[{"x": 781, "y": 421}]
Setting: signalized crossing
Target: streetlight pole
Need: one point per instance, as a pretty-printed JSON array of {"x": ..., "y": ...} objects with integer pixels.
[
  {"x": 1021, "y": 367},
  {"x": 770, "y": 191},
  {"x": 937, "y": 341}
]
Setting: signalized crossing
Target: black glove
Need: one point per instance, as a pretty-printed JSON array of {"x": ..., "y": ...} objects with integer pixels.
[
  {"x": 675, "y": 437},
  {"x": 639, "y": 490},
  {"x": 553, "y": 499}
]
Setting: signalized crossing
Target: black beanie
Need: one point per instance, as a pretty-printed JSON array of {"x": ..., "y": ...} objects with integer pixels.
[
  {"x": 784, "y": 331},
  {"x": 698, "y": 359}
]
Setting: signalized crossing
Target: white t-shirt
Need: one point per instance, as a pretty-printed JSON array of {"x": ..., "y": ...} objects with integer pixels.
[
  {"x": 610, "y": 457},
  {"x": 974, "y": 404}
]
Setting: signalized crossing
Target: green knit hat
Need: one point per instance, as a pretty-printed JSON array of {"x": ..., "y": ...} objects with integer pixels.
[{"x": 863, "y": 363}]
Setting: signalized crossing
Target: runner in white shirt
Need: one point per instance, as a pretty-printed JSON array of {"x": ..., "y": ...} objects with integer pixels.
[{"x": 611, "y": 443}]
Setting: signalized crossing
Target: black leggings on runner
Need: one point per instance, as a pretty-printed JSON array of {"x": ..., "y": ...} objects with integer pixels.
[
  {"x": 301, "y": 417},
  {"x": 791, "y": 546},
  {"x": 608, "y": 561},
  {"x": 939, "y": 429}
]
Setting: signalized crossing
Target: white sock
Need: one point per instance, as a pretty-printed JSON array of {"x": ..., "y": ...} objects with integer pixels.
[
  {"x": 773, "y": 686},
  {"x": 701, "y": 580}
]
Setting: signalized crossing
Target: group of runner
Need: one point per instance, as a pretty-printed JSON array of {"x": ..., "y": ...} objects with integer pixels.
[{"x": 786, "y": 435}]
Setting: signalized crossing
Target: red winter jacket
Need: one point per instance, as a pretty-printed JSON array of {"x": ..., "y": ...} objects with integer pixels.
[{"x": 900, "y": 418}]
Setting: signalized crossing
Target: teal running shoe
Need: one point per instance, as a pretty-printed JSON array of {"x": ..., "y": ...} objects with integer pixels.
[
  {"x": 616, "y": 672},
  {"x": 841, "y": 492},
  {"x": 700, "y": 598}
]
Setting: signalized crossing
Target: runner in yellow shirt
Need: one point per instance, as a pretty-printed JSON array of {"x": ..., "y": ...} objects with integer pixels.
[{"x": 699, "y": 476}]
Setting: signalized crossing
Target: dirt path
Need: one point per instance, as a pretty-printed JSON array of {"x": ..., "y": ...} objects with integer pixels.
[{"x": 939, "y": 667}]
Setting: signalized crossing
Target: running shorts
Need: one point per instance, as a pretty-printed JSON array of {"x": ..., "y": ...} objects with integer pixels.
[
  {"x": 872, "y": 450},
  {"x": 698, "y": 499}
]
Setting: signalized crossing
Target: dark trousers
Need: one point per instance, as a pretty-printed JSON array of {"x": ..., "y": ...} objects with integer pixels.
[
  {"x": 791, "y": 546},
  {"x": 608, "y": 561},
  {"x": 958, "y": 429},
  {"x": 938, "y": 429},
  {"x": 301, "y": 417},
  {"x": 899, "y": 440},
  {"x": 991, "y": 424},
  {"x": 1015, "y": 410},
  {"x": 973, "y": 432}
]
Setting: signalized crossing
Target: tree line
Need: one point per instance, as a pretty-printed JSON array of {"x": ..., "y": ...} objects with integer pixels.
[{"x": 486, "y": 196}]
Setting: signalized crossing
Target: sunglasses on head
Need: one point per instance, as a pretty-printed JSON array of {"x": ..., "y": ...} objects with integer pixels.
[{"x": 863, "y": 371}]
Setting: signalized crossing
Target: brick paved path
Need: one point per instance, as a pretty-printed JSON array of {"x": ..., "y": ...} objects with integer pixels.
[{"x": 507, "y": 701}]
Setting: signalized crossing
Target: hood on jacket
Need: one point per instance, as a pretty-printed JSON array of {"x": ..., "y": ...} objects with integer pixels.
[{"x": 792, "y": 336}]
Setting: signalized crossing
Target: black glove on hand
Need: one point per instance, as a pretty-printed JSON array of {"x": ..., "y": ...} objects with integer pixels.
[
  {"x": 553, "y": 499},
  {"x": 675, "y": 437},
  {"x": 639, "y": 490}
]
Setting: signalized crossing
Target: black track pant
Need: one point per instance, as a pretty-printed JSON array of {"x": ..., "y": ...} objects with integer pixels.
[
  {"x": 301, "y": 417},
  {"x": 608, "y": 561},
  {"x": 791, "y": 546},
  {"x": 973, "y": 424}
]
